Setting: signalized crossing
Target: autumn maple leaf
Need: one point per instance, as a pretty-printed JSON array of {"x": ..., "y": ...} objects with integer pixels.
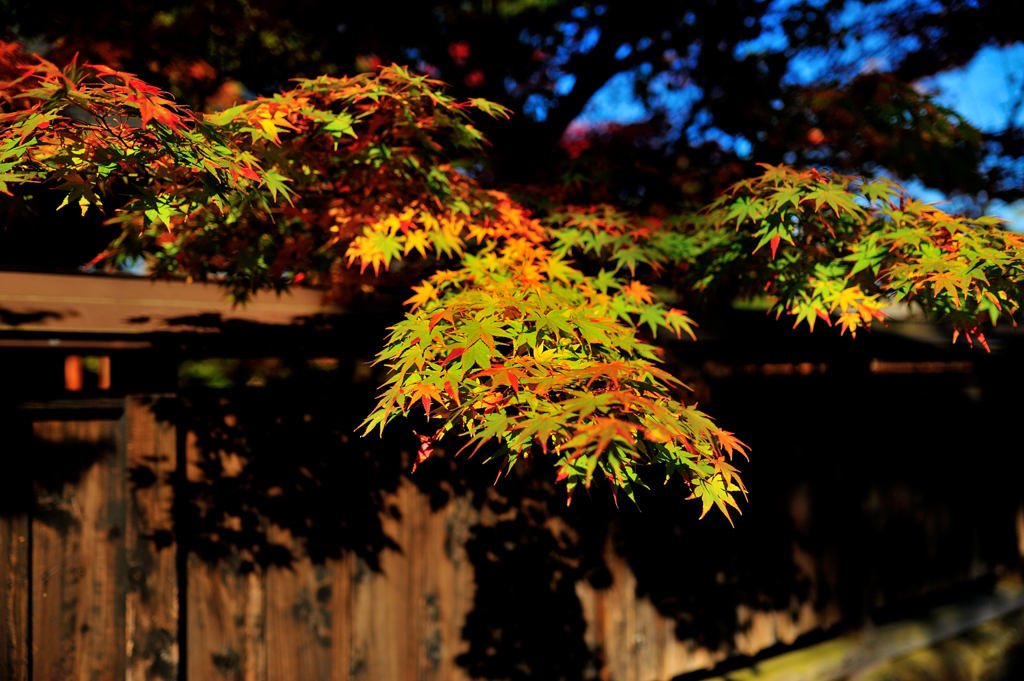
[
  {"x": 423, "y": 294},
  {"x": 425, "y": 450},
  {"x": 641, "y": 293}
]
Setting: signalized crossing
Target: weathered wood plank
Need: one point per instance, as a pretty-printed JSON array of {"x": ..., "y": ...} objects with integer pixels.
[
  {"x": 225, "y": 622},
  {"x": 342, "y": 601},
  {"x": 225, "y": 610},
  {"x": 340, "y": 620},
  {"x": 406, "y": 622},
  {"x": 635, "y": 642},
  {"x": 300, "y": 621},
  {"x": 621, "y": 618},
  {"x": 381, "y": 626},
  {"x": 151, "y": 608},
  {"x": 78, "y": 566},
  {"x": 450, "y": 588},
  {"x": 648, "y": 641},
  {"x": 14, "y": 585}
]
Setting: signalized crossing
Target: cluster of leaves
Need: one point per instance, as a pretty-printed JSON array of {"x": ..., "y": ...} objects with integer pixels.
[
  {"x": 277, "y": 188},
  {"x": 820, "y": 246},
  {"x": 518, "y": 345},
  {"x": 533, "y": 331},
  {"x": 851, "y": 247}
]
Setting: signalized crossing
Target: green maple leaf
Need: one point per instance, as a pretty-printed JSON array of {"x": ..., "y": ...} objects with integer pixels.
[
  {"x": 747, "y": 208},
  {"x": 878, "y": 191},
  {"x": 484, "y": 329},
  {"x": 630, "y": 256},
  {"x": 604, "y": 281},
  {"x": 787, "y": 194},
  {"x": 653, "y": 316},
  {"x": 557, "y": 321},
  {"x": 835, "y": 197},
  {"x": 477, "y": 354},
  {"x": 592, "y": 331}
]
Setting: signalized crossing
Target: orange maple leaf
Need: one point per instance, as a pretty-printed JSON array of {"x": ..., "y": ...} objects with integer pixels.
[
  {"x": 641, "y": 293},
  {"x": 425, "y": 392},
  {"x": 730, "y": 443}
]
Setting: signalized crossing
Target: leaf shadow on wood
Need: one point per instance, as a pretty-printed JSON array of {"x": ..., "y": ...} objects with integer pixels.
[
  {"x": 857, "y": 485},
  {"x": 40, "y": 468},
  {"x": 528, "y": 553},
  {"x": 267, "y": 441},
  {"x": 827, "y": 523},
  {"x": 14, "y": 318},
  {"x": 278, "y": 458},
  {"x": 843, "y": 527}
]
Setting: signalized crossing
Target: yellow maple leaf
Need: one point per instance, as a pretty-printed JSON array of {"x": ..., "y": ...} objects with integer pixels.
[
  {"x": 850, "y": 321},
  {"x": 367, "y": 252},
  {"x": 556, "y": 268},
  {"x": 423, "y": 294},
  {"x": 442, "y": 276},
  {"x": 452, "y": 225},
  {"x": 418, "y": 240}
]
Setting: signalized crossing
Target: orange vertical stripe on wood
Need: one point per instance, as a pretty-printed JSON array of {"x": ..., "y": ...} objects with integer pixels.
[
  {"x": 73, "y": 373},
  {"x": 103, "y": 372}
]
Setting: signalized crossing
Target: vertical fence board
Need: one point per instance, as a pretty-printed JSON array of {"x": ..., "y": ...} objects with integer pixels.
[
  {"x": 620, "y": 621},
  {"x": 14, "y": 583},
  {"x": 78, "y": 561},
  {"x": 300, "y": 622},
  {"x": 410, "y": 606},
  {"x": 450, "y": 590},
  {"x": 342, "y": 660},
  {"x": 225, "y": 611},
  {"x": 639, "y": 644},
  {"x": 381, "y": 602},
  {"x": 151, "y": 608},
  {"x": 405, "y": 623},
  {"x": 635, "y": 642},
  {"x": 225, "y": 622},
  {"x": 647, "y": 648}
]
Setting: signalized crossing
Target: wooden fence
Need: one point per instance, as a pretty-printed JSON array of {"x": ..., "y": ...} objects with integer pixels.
[
  {"x": 93, "y": 585},
  {"x": 89, "y": 592}
]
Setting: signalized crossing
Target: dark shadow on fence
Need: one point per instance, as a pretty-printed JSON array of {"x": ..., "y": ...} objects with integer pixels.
[{"x": 869, "y": 493}]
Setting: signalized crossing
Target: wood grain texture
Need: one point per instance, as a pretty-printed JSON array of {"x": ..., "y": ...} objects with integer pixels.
[
  {"x": 300, "y": 618},
  {"x": 151, "y": 607},
  {"x": 341, "y": 620},
  {"x": 225, "y": 622},
  {"x": 14, "y": 585},
  {"x": 407, "y": 621},
  {"x": 225, "y": 611},
  {"x": 78, "y": 558},
  {"x": 638, "y": 644}
]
